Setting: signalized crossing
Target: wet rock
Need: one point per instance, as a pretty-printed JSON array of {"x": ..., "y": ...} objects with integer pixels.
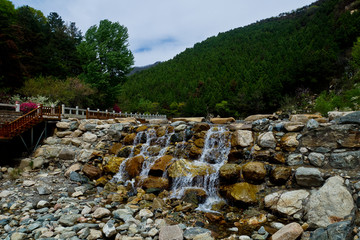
[
  {"x": 199, "y": 127},
  {"x": 280, "y": 175},
  {"x": 152, "y": 182},
  {"x": 180, "y": 128},
  {"x": 115, "y": 148},
  {"x": 288, "y": 203},
  {"x": 316, "y": 159},
  {"x": 171, "y": 232},
  {"x": 124, "y": 152},
  {"x": 312, "y": 124},
  {"x": 195, "y": 152},
  {"x": 160, "y": 165},
  {"x": 335, "y": 231},
  {"x": 76, "y": 177},
  {"x": 185, "y": 168},
  {"x": 129, "y": 139},
  {"x": 141, "y": 128},
  {"x": 346, "y": 160},
  {"x": 289, "y": 142},
  {"x": 230, "y": 173},
  {"x": 195, "y": 196},
  {"x": 89, "y": 137},
  {"x": 199, "y": 142},
  {"x": 330, "y": 203},
  {"x": 289, "y": 232},
  {"x": 133, "y": 166},
  {"x": 177, "y": 137},
  {"x": 254, "y": 172},
  {"x": 260, "y": 125},
  {"x": 295, "y": 159},
  {"x": 308, "y": 177},
  {"x": 240, "y": 193},
  {"x": 267, "y": 140},
  {"x": 242, "y": 138}
]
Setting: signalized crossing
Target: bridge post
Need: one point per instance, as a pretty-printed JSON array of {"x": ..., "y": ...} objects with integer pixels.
[
  {"x": 17, "y": 108},
  {"x": 77, "y": 110},
  {"x": 63, "y": 109}
]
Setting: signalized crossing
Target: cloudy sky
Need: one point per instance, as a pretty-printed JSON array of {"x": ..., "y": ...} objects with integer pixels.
[{"x": 160, "y": 29}]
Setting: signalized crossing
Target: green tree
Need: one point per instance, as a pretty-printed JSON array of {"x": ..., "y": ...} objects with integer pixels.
[{"x": 106, "y": 59}]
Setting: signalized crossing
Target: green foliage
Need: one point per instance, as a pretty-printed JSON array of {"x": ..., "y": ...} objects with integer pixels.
[
  {"x": 106, "y": 58},
  {"x": 71, "y": 92},
  {"x": 252, "y": 68},
  {"x": 356, "y": 54}
]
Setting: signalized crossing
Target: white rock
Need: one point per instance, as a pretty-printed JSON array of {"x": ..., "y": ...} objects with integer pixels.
[
  {"x": 101, "y": 212},
  {"x": 28, "y": 183},
  {"x": 146, "y": 213},
  {"x": 94, "y": 234},
  {"x": 5, "y": 193},
  {"x": 288, "y": 203},
  {"x": 267, "y": 140},
  {"x": 243, "y": 138},
  {"x": 89, "y": 137},
  {"x": 109, "y": 229}
]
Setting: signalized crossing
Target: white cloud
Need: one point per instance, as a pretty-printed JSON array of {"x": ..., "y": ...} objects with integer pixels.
[{"x": 164, "y": 28}]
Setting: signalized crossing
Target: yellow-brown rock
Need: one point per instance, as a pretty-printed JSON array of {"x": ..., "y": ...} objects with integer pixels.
[
  {"x": 252, "y": 118},
  {"x": 152, "y": 182},
  {"x": 241, "y": 193},
  {"x": 102, "y": 181},
  {"x": 184, "y": 168},
  {"x": 133, "y": 166},
  {"x": 195, "y": 152},
  {"x": 141, "y": 128},
  {"x": 201, "y": 127},
  {"x": 194, "y": 196},
  {"x": 222, "y": 120},
  {"x": 189, "y": 119},
  {"x": 293, "y": 126},
  {"x": 129, "y": 139},
  {"x": 113, "y": 165},
  {"x": 279, "y": 157},
  {"x": 280, "y": 175},
  {"x": 303, "y": 118},
  {"x": 254, "y": 172},
  {"x": 289, "y": 142},
  {"x": 161, "y": 165},
  {"x": 230, "y": 173},
  {"x": 91, "y": 171},
  {"x": 115, "y": 148},
  {"x": 161, "y": 131},
  {"x": 199, "y": 142}
]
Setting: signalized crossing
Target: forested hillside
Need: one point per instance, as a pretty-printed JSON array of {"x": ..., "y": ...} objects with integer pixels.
[{"x": 252, "y": 69}]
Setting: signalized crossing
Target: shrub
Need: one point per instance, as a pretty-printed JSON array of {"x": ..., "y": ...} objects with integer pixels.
[{"x": 27, "y": 107}]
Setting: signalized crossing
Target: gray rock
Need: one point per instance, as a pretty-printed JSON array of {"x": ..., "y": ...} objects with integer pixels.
[
  {"x": 193, "y": 232},
  {"x": 316, "y": 159},
  {"x": 332, "y": 200},
  {"x": 288, "y": 203},
  {"x": 101, "y": 212},
  {"x": 346, "y": 160},
  {"x": 89, "y": 137},
  {"x": 18, "y": 236},
  {"x": 260, "y": 124},
  {"x": 177, "y": 123},
  {"x": 123, "y": 214},
  {"x": 43, "y": 190},
  {"x": 84, "y": 233},
  {"x": 350, "y": 118},
  {"x": 267, "y": 140},
  {"x": 76, "y": 177},
  {"x": 335, "y": 231},
  {"x": 109, "y": 229},
  {"x": 312, "y": 124},
  {"x": 90, "y": 126},
  {"x": 69, "y": 219},
  {"x": 295, "y": 159},
  {"x": 308, "y": 177},
  {"x": 67, "y": 154},
  {"x": 171, "y": 232}
]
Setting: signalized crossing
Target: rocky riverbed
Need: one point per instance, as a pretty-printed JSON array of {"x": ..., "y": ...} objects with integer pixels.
[{"x": 285, "y": 178}]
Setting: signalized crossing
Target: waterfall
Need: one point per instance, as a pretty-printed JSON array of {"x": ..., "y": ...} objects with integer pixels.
[{"x": 215, "y": 154}]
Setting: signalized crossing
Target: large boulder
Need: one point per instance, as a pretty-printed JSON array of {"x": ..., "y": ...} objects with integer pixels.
[
  {"x": 222, "y": 120},
  {"x": 160, "y": 165},
  {"x": 113, "y": 165},
  {"x": 230, "y": 173},
  {"x": 353, "y": 117},
  {"x": 303, "y": 118},
  {"x": 345, "y": 160},
  {"x": 289, "y": 142},
  {"x": 129, "y": 139},
  {"x": 267, "y": 140},
  {"x": 288, "y": 203},
  {"x": 331, "y": 202},
  {"x": 241, "y": 193},
  {"x": 336, "y": 231},
  {"x": 152, "y": 182},
  {"x": 252, "y": 118}
]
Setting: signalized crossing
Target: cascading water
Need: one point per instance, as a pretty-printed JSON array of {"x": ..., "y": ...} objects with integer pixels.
[{"x": 215, "y": 154}]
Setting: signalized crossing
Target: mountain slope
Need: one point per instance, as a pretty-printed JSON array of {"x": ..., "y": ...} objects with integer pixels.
[{"x": 253, "y": 68}]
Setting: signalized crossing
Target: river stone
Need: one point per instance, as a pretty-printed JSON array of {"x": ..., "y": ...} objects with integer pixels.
[
  {"x": 293, "y": 126},
  {"x": 91, "y": 171},
  {"x": 288, "y": 203},
  {"x": 76, "y": 177},
  {"x": 350, "y": 118},
  {"x": 289, "y": 142},
  {"x": 242, "y": 138},
  {"x": 63, "y": 125},
  {"x": 194, "y": 196},
  {"x": 308, "y": 177},
  {"x": 346, "y": 160},
  {"x": 303, "y": 118},
  {"x": 198, "y": 127},
  {"x": 125, "y": 152},
  {"x": 113, "y": 165},
  {"x": 101, "y": 213},
  {"x": 67, "y": 154},
  {"x": 252, "y": 118},
  {"x": 109, "y": 229},
  {"x": 295, "y": 159},
  {"x": 89, "y": 137},
  {"x": 160, "y": 165},
  {"x": 230, "y": 172},
  {"x": 316, "y": 159},
  {"x": 69, "y": 219},
  {"x": 335, "y": 231},
  {"x": 195, "y": 152},
  {"x": 194, "y": 232},
  {"x": 180, "y": 128},
  {"x": 280, "y": 175},
  {"x": 222, "y": 120},
  {"x": 267, "y": 140},
  {"x": 94, "y": 234},
  {"x": 123, "y": 214},
  {"x": 312, "y": 124},
  {"x": 331, "y": 202},
  {"x": 18, "y": 236},
  {"x": 129, "y": 139},
  {"x": 133, "y": 166},
  {"x": 254, "y": 172},
  {"x": 289, "y": 232},
  {"x": 171, "y": 232},
  {"x": 240, "y": 193}
]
